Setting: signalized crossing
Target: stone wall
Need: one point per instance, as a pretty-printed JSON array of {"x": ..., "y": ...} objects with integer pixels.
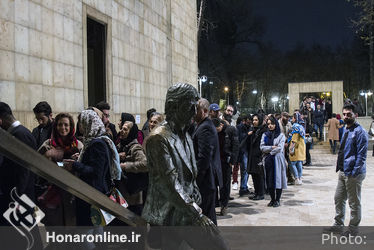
[
  {"x": 336, "y": 87},
  {"x": 150, "y": 45}
]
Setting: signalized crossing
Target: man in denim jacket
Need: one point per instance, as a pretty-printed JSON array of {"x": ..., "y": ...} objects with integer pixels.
[{"x": 351, "y": 166}]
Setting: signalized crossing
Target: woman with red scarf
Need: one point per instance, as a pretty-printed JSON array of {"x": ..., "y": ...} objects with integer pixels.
[{"x": 57, "y": 204}]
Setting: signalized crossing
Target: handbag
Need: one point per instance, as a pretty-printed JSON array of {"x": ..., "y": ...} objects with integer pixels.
[
  {"x": 51, "y": 198},
  {"x": 308, "y": 140},
  {"x": 100, "y": 217}
]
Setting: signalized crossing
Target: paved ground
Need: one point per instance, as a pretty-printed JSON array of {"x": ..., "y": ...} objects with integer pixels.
[{"x": 311, "y": 204}]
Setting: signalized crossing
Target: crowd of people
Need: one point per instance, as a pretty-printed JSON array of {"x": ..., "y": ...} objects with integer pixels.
[{"x": 271, "y": 148}]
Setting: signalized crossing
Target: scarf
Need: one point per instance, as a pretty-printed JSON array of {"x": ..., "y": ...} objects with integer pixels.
[
  {"x": 93, "y": 128},
  {"x": 69, "y": 145},
  {"x": 297, "y": 128},
  {"x": 270, "y": 135},
  {"x": 133, "y": 134}
]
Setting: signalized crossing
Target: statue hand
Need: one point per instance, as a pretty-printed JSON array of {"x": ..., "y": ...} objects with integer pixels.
[{"x": 208, "y": 225}]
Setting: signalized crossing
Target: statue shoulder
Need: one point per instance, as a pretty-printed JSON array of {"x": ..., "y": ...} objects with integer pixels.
[{"x": 160, "y": 133}]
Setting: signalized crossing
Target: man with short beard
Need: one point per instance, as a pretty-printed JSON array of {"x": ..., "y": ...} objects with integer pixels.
[
  {"x": 351, "y": 165},
  {"x": 227, "y": 115}
]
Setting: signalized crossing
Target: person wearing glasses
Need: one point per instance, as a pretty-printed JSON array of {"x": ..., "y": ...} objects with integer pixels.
[
  {"x": 110, "y": 128},
  {"x": 351, "y": 168}
]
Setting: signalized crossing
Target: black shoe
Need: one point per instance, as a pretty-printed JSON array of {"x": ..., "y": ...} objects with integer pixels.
[
  {"x": 243, "y": 192},
  {"x": 231, "y": 198},
  {"x": 258, "y": 198},
  {"x": 276, "y": 204},
  {"x": 271, "y": 203},
  {"x": 334, "y": 229}
]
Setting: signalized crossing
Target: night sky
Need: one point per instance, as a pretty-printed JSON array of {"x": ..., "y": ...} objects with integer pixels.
[{"x": 307, "y": 21}]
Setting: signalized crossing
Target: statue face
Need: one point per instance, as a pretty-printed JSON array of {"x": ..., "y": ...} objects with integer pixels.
[{"x": 186, "y": 111}]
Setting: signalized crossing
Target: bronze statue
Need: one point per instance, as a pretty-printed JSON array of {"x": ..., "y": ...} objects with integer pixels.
[{"x": 173, "y": 196}]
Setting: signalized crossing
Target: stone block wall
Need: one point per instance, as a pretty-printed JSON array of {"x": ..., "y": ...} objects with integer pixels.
[{"x": 151, "y": 44}]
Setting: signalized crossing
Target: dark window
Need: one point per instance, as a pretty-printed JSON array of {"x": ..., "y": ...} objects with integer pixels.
[{"x": 96, "y": 63}]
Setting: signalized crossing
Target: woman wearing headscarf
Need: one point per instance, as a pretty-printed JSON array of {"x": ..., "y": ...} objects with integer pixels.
[
  {"x": 255, "y": 167},
  {"x": 133, "y": 164},
  {"x": 98, "y": 163},
  {"x": 296, "y": 140},
  {"x": 58, "y": 204},
  {"x": 272, "y": 145}
]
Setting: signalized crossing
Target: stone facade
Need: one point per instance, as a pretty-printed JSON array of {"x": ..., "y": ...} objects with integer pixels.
[
  {"x": 150, "y": 45},
  {"x": 336, "y": 87}
]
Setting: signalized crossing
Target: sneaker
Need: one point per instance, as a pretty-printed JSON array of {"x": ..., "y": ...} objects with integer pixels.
[
  {"x": 276, "y": 204},
  {"x": 271, "y": 203},
  {"x": 235, "y": 186},
  {"x": 223, "y": 211}
]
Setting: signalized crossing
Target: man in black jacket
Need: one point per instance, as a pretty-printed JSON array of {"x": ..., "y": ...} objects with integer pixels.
[
  {"x": 209, "y": 175},
  {"x": 229, "y": 148},
  {"x": 319, "y": 120},
  {"x": 13, "y": 175},
  {"x": 43, "y": 114}
]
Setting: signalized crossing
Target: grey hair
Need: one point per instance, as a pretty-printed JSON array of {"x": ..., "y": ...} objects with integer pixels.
[{"x": 204, "y": 104}]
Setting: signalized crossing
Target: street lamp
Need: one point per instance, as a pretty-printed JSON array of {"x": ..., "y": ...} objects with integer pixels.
[
  {"x": 366, "y": 93},
  {"x": 274, "y": 100},
  {"x": 226, "y": 90},
  {"x": 201, "y": 80},
  {"x": 254, "y": 92}
]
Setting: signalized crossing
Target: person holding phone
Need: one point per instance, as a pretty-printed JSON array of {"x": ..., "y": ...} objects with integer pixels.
[{"x": 57, "y": 203}]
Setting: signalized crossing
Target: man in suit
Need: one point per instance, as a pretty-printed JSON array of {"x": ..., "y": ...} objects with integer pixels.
[
  {"x": 13, "y": 175},
  {"x": 209, "y": 172},
  {"x": 173, "y": 196}
]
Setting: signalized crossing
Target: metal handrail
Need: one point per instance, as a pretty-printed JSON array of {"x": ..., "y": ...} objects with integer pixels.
[{"x": 27, "y": 157}]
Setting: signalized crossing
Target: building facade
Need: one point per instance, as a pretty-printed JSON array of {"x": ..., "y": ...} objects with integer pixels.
[{"x": 74, "y": 53}]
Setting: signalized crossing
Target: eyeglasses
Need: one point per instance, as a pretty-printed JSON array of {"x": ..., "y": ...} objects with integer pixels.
[
  {"x": 106, "y": 115},
  {"x": 229, "y": 110}
]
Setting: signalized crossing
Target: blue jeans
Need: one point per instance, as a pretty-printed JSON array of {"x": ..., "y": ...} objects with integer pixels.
[
  {"x": 243, "y": 171},
  {"x": 297, "y": 168},
  {"x": 320, "y": 128}
]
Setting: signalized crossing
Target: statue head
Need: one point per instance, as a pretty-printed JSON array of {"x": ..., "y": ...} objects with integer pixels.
[{"x": 180, "y": 105}]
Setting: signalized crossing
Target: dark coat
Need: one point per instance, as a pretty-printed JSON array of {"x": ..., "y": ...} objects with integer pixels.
[
  {"x": 319, "y": 117},
  {"x": 231, "y": 143},
  {"x": 94, "y": 170},
  {"x": 41, "y": 134},
  {"x": 95, "y": 165},
  {"x": 206, "y": 145},
  {"x": 242, "y": 133},
  {"x": 14, "y": 175},
  {"x": 254, "y": 152}
]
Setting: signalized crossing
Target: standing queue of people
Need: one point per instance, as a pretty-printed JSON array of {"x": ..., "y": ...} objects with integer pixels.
[{"x": 270, "y": 148}]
